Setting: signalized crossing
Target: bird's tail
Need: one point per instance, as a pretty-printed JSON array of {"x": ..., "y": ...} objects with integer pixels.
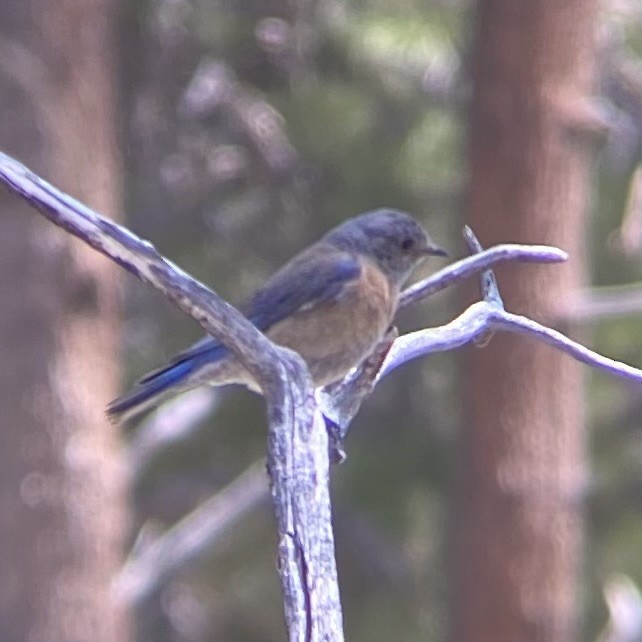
[{"x": 150, "y": 391}]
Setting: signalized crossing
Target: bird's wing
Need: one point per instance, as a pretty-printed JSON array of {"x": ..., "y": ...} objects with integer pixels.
[{"x": 309, "y": 279}]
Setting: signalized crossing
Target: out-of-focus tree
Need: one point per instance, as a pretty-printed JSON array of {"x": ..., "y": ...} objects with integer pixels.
[
  {"x": 523, "y": 474},
  {"x": 62, "y": 504}
]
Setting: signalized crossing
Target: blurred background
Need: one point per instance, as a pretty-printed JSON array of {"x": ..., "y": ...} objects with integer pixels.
[{"x": 489, "y": 495}]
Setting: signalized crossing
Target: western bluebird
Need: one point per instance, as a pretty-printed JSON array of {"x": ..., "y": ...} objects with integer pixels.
[{"x": 332, "y": 303}]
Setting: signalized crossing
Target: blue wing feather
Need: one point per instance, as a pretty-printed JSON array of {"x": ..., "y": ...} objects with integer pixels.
[
  {"x": 280, "y": 297},
  {"x": 302, "y": 282},
  {"x": 310, "y": 278}
]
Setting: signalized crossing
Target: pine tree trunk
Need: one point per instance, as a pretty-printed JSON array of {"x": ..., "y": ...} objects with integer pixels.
[
  {"x": 522, "y": 465},
  {"x": 62, "y": 501}
]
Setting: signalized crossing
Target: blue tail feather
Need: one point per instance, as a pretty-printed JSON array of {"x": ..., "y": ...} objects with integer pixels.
[
  {"x": 165, "y": 381},
  {"x": 149, "y": 392}
]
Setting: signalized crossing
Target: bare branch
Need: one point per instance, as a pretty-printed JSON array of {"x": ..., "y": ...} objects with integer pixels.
[
  {"x": 142, "y": 575},
  {"x": 298, "y": 464},
  {"x": 603, "y": 303},
  {"x": 297, "y": 439},
  {"x": 465, "y": 268},
  {"x": 217, "y": 317},
  {"x": 482, "y": 317},
  {"x": 624, "y": 604}
]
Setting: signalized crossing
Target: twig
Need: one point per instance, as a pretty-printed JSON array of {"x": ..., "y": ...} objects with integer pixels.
[
  {"x": 471, "y": 265},
  {"x": 482, "y": 317}
]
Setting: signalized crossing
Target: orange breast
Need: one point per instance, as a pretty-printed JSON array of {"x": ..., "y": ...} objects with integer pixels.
[{"x": 333, "y": 337}]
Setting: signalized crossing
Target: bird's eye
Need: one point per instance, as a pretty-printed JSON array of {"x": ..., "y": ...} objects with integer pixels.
[{"x": 406, "y": 244}]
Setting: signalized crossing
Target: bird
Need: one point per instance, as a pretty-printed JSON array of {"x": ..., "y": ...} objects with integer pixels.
[{"x": 332, "y": 303}]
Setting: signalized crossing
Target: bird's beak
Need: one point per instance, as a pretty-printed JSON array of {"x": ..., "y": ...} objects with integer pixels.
[{"x": 435, "y": 250}]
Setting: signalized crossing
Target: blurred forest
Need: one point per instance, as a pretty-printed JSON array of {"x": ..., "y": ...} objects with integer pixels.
[{"x": 234, "y": 133}]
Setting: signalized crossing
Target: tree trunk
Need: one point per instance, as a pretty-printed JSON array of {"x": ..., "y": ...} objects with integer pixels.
[
  {"x": 62, "y": 503},
  {"x": 522, "y": 464}
]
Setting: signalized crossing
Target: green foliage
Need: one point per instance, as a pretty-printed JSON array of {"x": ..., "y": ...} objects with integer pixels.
[{"x": 430, "y": 158}]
